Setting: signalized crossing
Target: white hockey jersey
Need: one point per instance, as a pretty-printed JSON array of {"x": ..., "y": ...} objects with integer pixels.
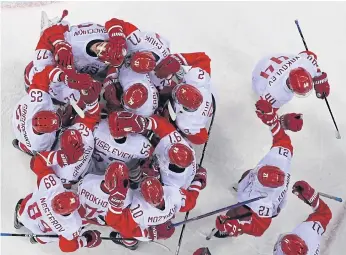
[
  {"x": 270, "y": 75},
  {"x": 37, "y": 100},
  {"x": 161, "y": 162},
  {"x": 250, "y": 187},
  {"x": 72, "y": 173},
  {"x": 127, "y": 77},
  {"x": 153, "y": 42},
  {"x": 191, "y": 123},
  {"x": 108, "y": 150},
  {"x": 92, "y": 198},
  {"x": 39, "y": 217}
]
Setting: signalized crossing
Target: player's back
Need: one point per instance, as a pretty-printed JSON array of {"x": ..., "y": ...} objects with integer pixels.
[
  {"x": 107, "y": 149},
  {"x": 37, "y": 100},
  {"x": 80, "y": 37}
]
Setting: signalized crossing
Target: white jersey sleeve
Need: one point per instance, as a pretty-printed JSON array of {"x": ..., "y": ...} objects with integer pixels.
[
  {"x": 250, "y": 187},
  {"x": 127, "y": 77},
  {"x": 108, "y": 150},
  {"x": 39, "y": 217},
  {"x": 270, "y": 75},
  {"x": 92, "y": 198},
  {"x": 72, "y": 173},
  {"x": 80, "y": 37},
  {"x": 37, "y": 100},
  {"x": 161, "y": 162}
]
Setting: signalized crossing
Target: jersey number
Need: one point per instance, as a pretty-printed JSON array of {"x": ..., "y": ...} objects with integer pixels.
[
  {"x": 283, "y": 151},
  {"x": 43, "y": 55},
  {"x": 84, "y": 130},
  {"x": 175, "y": 137},
  {"x": 263, "y": 211},
  {"x": 36, "y": 96},
  {"x": 146, "y": 149},
  {"x": 271, "y": 68},
  {"x": 34, "y": 213},
  {"x": 136, "y": 212},
  {"x": 49, "y": 182}
]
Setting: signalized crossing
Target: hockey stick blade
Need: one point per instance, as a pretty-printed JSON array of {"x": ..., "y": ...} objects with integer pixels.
[
  {"x": 338, "y": 136},
  {"x": 78, "y": 110}
]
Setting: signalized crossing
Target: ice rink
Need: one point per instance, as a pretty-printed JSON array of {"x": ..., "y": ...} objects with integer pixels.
[{"x": 235, "y": 36}]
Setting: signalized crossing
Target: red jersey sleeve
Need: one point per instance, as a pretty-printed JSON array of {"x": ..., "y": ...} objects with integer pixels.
[
  {"x": 257, "y": 226},
  {"x": 196, "y": 59},
  {"x": 51, "y": 36},
  {"x": 280, "y": 138},
  {"x": 91, "y": 118},
  {"x": 43, "y": 79},
  {"x": 127, "y": 27},
  {"x": 322, "y": 214},
  {"x": 39, "y": 167},
  {"x": 69, "y": 245},
  {"x": 160, "y": 126},
  {"x": 199, "y": 138},
  {"x": 124, "y": 223}
]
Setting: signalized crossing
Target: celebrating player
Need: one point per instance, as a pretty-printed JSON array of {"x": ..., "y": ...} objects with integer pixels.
[
  {"x": 146, "y": 213},
  {"x": 53, "y": 210},
  {"x": 305, "y": 238},
  {"x": 278, "y": 78},
  {"x": 270, "y": 178}
]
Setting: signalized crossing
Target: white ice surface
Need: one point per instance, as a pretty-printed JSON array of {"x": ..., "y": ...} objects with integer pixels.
[{"x": 235, "y": 36}]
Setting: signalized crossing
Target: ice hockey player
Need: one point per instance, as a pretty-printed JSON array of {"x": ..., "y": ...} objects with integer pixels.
[
  {"x": 202, "y": 251},
  {"x": 270, "y": 177},
  {"x": 52, "y": 209},
  {"x": 146, "y": 214},
  {"x": 278, "y": 78},
  {"x": 191, "y": 104},
  {"x": 305, "y": 238},
  {"x": 115, "y": 144},
  {"x": 173, "y": 158},
  {"x": 35, "y": 121},
  {"x": 93, "y": 193}
]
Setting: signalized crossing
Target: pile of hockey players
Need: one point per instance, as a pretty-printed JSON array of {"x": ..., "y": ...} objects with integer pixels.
[{"x": 111, "y": 118}]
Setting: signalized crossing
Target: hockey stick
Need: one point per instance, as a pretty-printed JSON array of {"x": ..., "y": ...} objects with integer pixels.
[
  {"x": 217, "y": 211},
  {"x": 200, "y": 163},
  {"x": 338, "y": 136},
  {"x": 339, "y": 199},
  {"x": 102, "y": 237}
]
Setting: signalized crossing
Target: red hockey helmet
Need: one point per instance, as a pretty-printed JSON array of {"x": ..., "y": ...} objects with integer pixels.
[
  {"x": 46, "y": 122},
  {"x": 188, "y": 96},
  {"x": 180, "y": 155},
  {"x": 116, "y": 174},
  {"x": 135, "y": 96},
  {"x": 152, "y": 191},
  {"x": 113, "y": 125},
  {"x": 70, "y": 138},
  {"x": 300, "y": 81},
  {"x": 143, "y": 62},
  {"x": 291, "y": 244},
  {"x": 65, "y": 203},
  {"x": 271, "y": 176}
]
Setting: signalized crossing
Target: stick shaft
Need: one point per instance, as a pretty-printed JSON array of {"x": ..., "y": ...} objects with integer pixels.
[
  {"x": 339, "y": 199},
  {"x": 56, "y": 236}
]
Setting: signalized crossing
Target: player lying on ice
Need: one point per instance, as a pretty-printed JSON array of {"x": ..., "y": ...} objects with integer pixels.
[
  {"x": 305, "y": 238},
  {"x": 50, "y": 210},
  {"x": 146, "y": 213},
  {"x": 278, "y": 78},
  {"x": 36, "y": 122},
  {"x": 270, "y": 177}
]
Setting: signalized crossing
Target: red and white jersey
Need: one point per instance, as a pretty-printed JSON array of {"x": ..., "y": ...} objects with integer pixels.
[
  {"x": 161, "y": 161},
  {"x": 146, "y": 215},
  {"x": 153, "y": 42},
  {"x": 107, "y": 150},
  {"x": 280, "y": 155},
  {"x": 72, "y": 173},
  {"x": 93, "y": 200},
  {"x": 270, "y": 75},
  {"x": 188, "y": 122},
  {"x": 39, "y": 217},
  {"x": 127, "y": 77},
  {"x": 311, "y": 230},
  {"x": 37, "y": 100}
]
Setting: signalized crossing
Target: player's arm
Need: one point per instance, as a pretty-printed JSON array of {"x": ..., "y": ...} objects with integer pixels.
[
  {"x": 196, "y": 59},
  {"x": 199, "y": 138},
  {"x": 189, "y": 196},
  {"x": 43, "y": 79},
  {"x": 115, "y": 25},
  {"x": 308, "y": 195}
]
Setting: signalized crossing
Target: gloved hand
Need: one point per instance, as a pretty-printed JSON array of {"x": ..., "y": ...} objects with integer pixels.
[
  {"x": 162, "y": 231},
  {"x": 91, "y": 95},
  {"x": 321, "y": 85},
  {"x": 201, "y": 176},
  {"x": 292, "y": 121},
  {"x": 265, "y": 112},
  {"x": 231, "y": 227},
  {"x": 63, "y": 54},
  {"x": 118, "y": 183},
  {"x": 66, "y": 115},
  {"x": 168, "y": 66},
  {"x": 75, "y": 80},
  {"x": 93, "y": 238},
  {"x": 110, "y": 95},
  {"x": 306, "y": 193},
  {"x": 148, "y": 170}
]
